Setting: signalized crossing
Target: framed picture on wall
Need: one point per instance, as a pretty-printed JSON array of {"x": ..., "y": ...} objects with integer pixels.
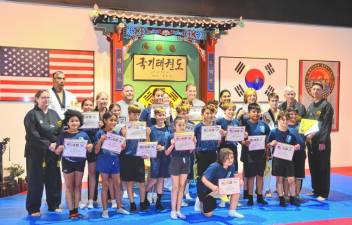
[
  {"x": 265, "y": 75},
  {"x": 325, "y": 72}
]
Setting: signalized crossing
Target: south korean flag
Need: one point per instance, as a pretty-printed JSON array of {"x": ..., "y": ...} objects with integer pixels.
[{"x": 263, "y": 74}]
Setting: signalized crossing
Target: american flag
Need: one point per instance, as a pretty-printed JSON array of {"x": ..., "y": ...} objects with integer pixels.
[{"x": 23, "y": 71}]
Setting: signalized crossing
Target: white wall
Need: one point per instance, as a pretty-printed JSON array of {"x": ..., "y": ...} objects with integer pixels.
[
  {"x": 295, "y": 42},
  {"x": 41, "y": 26}
]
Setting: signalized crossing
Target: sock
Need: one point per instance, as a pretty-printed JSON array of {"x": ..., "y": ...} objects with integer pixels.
[{"x": 158, "y": 200}]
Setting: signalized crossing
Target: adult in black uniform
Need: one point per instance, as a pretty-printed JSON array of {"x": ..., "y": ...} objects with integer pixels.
[
  {"x": 319, "y": 144},
  {"x": 42, "y": 128}
]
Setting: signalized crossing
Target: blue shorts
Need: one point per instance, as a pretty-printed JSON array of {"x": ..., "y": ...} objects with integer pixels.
[
  {"x": 107, "y": 163},
  {"x": 159, "y": 167}
]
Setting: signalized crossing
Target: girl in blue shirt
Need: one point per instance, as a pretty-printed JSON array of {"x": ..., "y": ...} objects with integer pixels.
[{"x": 158, "y": 98}]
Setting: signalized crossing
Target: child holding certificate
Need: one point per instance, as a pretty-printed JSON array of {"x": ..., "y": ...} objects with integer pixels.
[
  {"x": 108, "y": 165},
  {"x": 224, "y": 122},
  {"x": 223, "y": 168},
  {"x": 206, "y": 150},
  {"x": 299, "y": 157},
  {"x": 283, "y": 168},
  {"x": 179, "y": 169},
  {"x": 132, "y": 166},
  {"x": 159, "y": 165},
  {"x": 183, "y": 111},
  {"x": 254, "y": 157},
  {"x": 146, "y": 115},
  {"x": 72, "y": 142}
]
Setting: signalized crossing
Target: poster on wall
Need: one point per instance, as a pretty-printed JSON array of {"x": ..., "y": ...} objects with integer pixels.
[
  {"x": 325, "y": 72},
  {"x": 160, "y": 67},
  {"x": 265, "y": 75}
]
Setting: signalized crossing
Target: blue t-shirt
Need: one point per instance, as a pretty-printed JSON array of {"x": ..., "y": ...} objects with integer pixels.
[
  {"x": 100, "y": 133},
  {"x": 174, "y": 152},
  {"x": 203, "y": 146},
  {"x": 80, "y": 135},
  {"x": 145, "y": 116},
  {"x": 215, "y": 172},
  {"x": 160, "y": 135},
  {"x": 282, "y": 136},
  {"x": 224, "y": 123},
  {"x": 301, "y": 139},
  {"x": 92, "y": 132}
]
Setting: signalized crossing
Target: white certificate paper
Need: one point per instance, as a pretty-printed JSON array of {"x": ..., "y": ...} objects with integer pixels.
[
  {"x": 136, "y": 130},
  {"x": 195, "y": 113},
  {"x": 229, "y": 186},
  {"x": 211, "y": 133},
  {"x": 147, "y": 149},
  {"x": 284, "y": 151},
  {"x": 235, "y": 133},
  {"x": 113, "y": 143},
  {"x": 184, "y": 141},
  {"x": 90, "y": 120},
  {"x": 158, "y": 106},
  {"x": 75, "y": 148},
  {"x": 256, "y": 142}
]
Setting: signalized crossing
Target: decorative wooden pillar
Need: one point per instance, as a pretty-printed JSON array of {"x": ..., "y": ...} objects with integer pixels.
[
  {"x": 207, "y": 70},
  {"x": 117, "y": 64}
]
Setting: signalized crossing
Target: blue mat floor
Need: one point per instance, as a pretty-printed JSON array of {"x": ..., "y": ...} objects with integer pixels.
[{"x": 339, "y": 205}]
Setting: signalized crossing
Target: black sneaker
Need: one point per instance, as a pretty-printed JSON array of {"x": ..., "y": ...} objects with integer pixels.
[
  {"x": 282, "y": 201},
  {"x": 261, "y": 200},
  {"x": 294, "y": 201},
  {"x": 147, "y": 203},
  {"x": 245, "y": 194},
  {"x": 159, "y": 206},
  {"x": 143, "y": 206},
  {"x": 133, "y": 207},
  {"x": 250, "y": 200}
]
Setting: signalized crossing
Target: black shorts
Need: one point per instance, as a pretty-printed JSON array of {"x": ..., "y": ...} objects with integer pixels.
[
  {"x": 283, "y": 168},
  {"x": 132, "y": 168},
  {"x": 91, "y": 157},
  {"x": 204, "y": 159},
  {"x": 208, "y": 202},
  {"x": 254, "y": 169},
  {"x": 70, "y": 167},
  {"x": 299, "y": 158},
  {"x": 179, "y": 165}
]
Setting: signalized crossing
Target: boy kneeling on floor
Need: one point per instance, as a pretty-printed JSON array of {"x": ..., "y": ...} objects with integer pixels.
[{"x": 223, "y": 168}]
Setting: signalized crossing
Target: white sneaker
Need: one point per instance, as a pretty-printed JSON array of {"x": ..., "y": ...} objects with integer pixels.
[
  {"x": 125, "y": 195},
  {"x": 150, "y": 197},
  {"x": 90, "y": 204},
  {"x": 197, "y": 205},
  {"x": 188, "y": 197},
  {"x": 123, "y": 211},
  {"x": 155, "y": 197},
  {"x": 58, "y": 210},
  {"x": 105, "y": 214},
  {"x": 180, "y": 215},
  {"x": 321, "y": 199},
  {"x": 113, "y": 204},
  {"x": 183, "y": 203},
  {"x": 173, "y": 215},
  {"x": 222, "y": 204},
  {"x": 234, "y": 213},
  {"x": 82, "y": 205}
]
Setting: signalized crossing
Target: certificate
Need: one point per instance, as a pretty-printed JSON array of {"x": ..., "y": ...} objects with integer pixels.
[
  {"x": 184, "y": 141},
  {"x": 211, "y": 133},
  {"x": 229, "y": 186},
  {"x": 308, "y": 126},
  {"x": 75, "y": 148},
  {"x": 90, "y": 120},
  {"x": 190, "y": 127},
  {"x": 113, "y": 143},
  {"x": 136, "y": 130},
  {"x": 195, "y": 113},
  {"x": 235, "y": 133},
  {"x": 256, "y": 142},
  {"x": 147, "y": 149},
  {"x": 284, "y": 151},
  {"x": 160, "y": 106},
  {"x": 122, "y": 120}
]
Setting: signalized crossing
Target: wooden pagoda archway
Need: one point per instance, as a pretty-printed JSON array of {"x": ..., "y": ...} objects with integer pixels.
[{"x": 202, "y": 32}]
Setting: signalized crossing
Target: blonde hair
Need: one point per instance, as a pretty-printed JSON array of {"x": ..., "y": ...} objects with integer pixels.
[
  {"x": 159, "y": 110},
  {"x": 229, "y": 105},
  {"x": 247, "y": 93},
  {"x": 134, "y": 108},
  {"x": 224, "y": 154},
  {"x": 183, "y": 107}
]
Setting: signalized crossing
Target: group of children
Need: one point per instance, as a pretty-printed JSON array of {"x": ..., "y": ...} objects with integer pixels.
[{"x": 215, "y": 159}]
